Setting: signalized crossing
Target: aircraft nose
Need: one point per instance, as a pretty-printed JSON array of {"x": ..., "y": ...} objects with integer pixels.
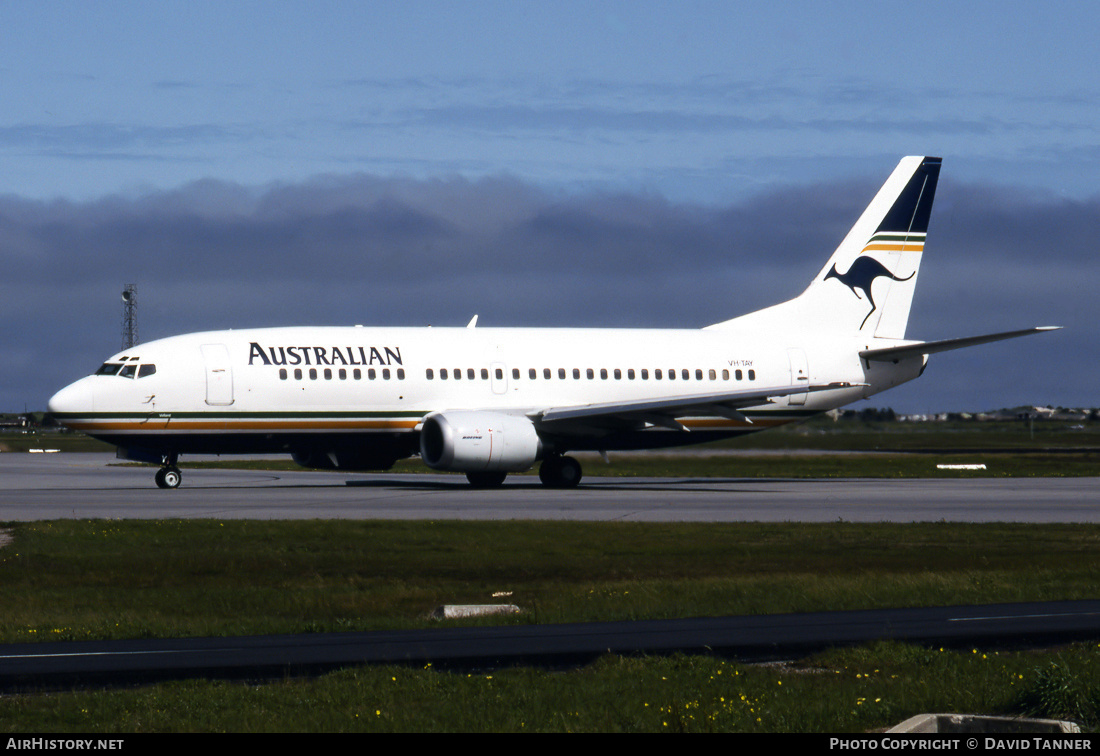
[{"x": 74, "y": 398}]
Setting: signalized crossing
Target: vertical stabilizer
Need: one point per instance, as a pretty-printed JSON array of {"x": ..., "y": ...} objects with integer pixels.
[{"x": 867, "y": 285}]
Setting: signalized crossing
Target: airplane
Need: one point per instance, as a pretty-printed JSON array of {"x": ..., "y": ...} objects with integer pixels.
[{"x": 491, "y": 401}]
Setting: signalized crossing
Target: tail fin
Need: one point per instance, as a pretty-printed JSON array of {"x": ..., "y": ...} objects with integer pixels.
[{"x": 867, "y": 285}]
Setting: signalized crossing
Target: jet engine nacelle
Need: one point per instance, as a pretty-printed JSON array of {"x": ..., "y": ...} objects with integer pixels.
[{"x": 471, "y": 441}]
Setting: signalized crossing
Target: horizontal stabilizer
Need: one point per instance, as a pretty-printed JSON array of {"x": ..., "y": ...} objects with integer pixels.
[{"x": 931, "y": 347}]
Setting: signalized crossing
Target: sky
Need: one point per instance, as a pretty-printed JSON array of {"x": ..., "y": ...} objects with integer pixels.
[{"x": 571, "y": 163}]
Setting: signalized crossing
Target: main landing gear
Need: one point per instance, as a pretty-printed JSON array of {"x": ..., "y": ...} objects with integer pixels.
[
  {"x": 169, "y": 476},
  {"x": 555, "y": 472},
  {"x": 560, "y": 472}
]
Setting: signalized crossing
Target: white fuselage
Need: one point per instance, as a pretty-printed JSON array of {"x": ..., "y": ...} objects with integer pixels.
[{"x": 273, "y": 389}]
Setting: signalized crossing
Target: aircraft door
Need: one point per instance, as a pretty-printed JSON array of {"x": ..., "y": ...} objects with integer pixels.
[
  {"x": 219, "y": 374},
  {"x": 800, "y": 375}
]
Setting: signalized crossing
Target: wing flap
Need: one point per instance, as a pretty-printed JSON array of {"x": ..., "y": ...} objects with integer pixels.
[{"x": 664, "y": 411}]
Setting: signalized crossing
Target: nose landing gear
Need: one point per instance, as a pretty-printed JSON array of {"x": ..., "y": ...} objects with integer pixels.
[{"x": 169, "y": 476}]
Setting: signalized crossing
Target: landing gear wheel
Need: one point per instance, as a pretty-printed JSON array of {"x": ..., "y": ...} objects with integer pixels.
[
  {"x": 168, "y": 477},
  {"x": 560, "y": 472},
  {"x": 486, "y": 479}
]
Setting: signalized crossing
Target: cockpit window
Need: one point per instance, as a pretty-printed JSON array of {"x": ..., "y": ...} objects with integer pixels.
[{"x": 127, "y": 369}]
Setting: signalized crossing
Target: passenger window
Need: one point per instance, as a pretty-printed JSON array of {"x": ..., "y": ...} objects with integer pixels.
[
  {"x": 499, "y": 374},
  {"x": 645, "y": 374},
  {"x": 282, "y": 374},
  {"x": 470, "y": 373},
  {"x": 531, "y": 373},
  {"x": 485, "y": 374},
  {"x": 429, "y": 374},
  {"x": 546, "y": 373},
  {"x": 561, "y": 374},
  {"x": 752, "y": 375}
]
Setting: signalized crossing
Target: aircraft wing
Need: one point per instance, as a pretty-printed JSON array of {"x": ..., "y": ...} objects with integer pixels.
[
  {"x": 663, "y": 412},
  {"x": 931, "y": 347}
]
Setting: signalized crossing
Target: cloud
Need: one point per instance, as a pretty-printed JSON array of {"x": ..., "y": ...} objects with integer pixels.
[
  {"x": 346, "y": 249},
  {"x": 104, "y": 140}
]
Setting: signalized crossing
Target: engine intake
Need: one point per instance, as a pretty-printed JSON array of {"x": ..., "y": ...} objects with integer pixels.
[{"x": 472, "y": 441}]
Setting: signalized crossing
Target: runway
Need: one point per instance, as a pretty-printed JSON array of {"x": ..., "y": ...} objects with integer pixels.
[{"x": 54, "y": 486}]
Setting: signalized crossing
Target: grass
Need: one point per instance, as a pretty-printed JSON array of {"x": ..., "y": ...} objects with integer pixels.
[
  {"x": 872, "y": 465},
  {"x": 856, "y": 434},
  {"x": 851, "y": 690},
  {"x": 114, "y": 579},
  {"x": 118, "y": 579}
]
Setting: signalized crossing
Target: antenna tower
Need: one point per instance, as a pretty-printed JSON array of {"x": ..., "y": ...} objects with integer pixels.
[{"x": 129, "y": 316}]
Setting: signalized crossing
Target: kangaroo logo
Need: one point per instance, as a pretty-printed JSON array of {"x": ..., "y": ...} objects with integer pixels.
[{"x": 861, "y": 275}]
